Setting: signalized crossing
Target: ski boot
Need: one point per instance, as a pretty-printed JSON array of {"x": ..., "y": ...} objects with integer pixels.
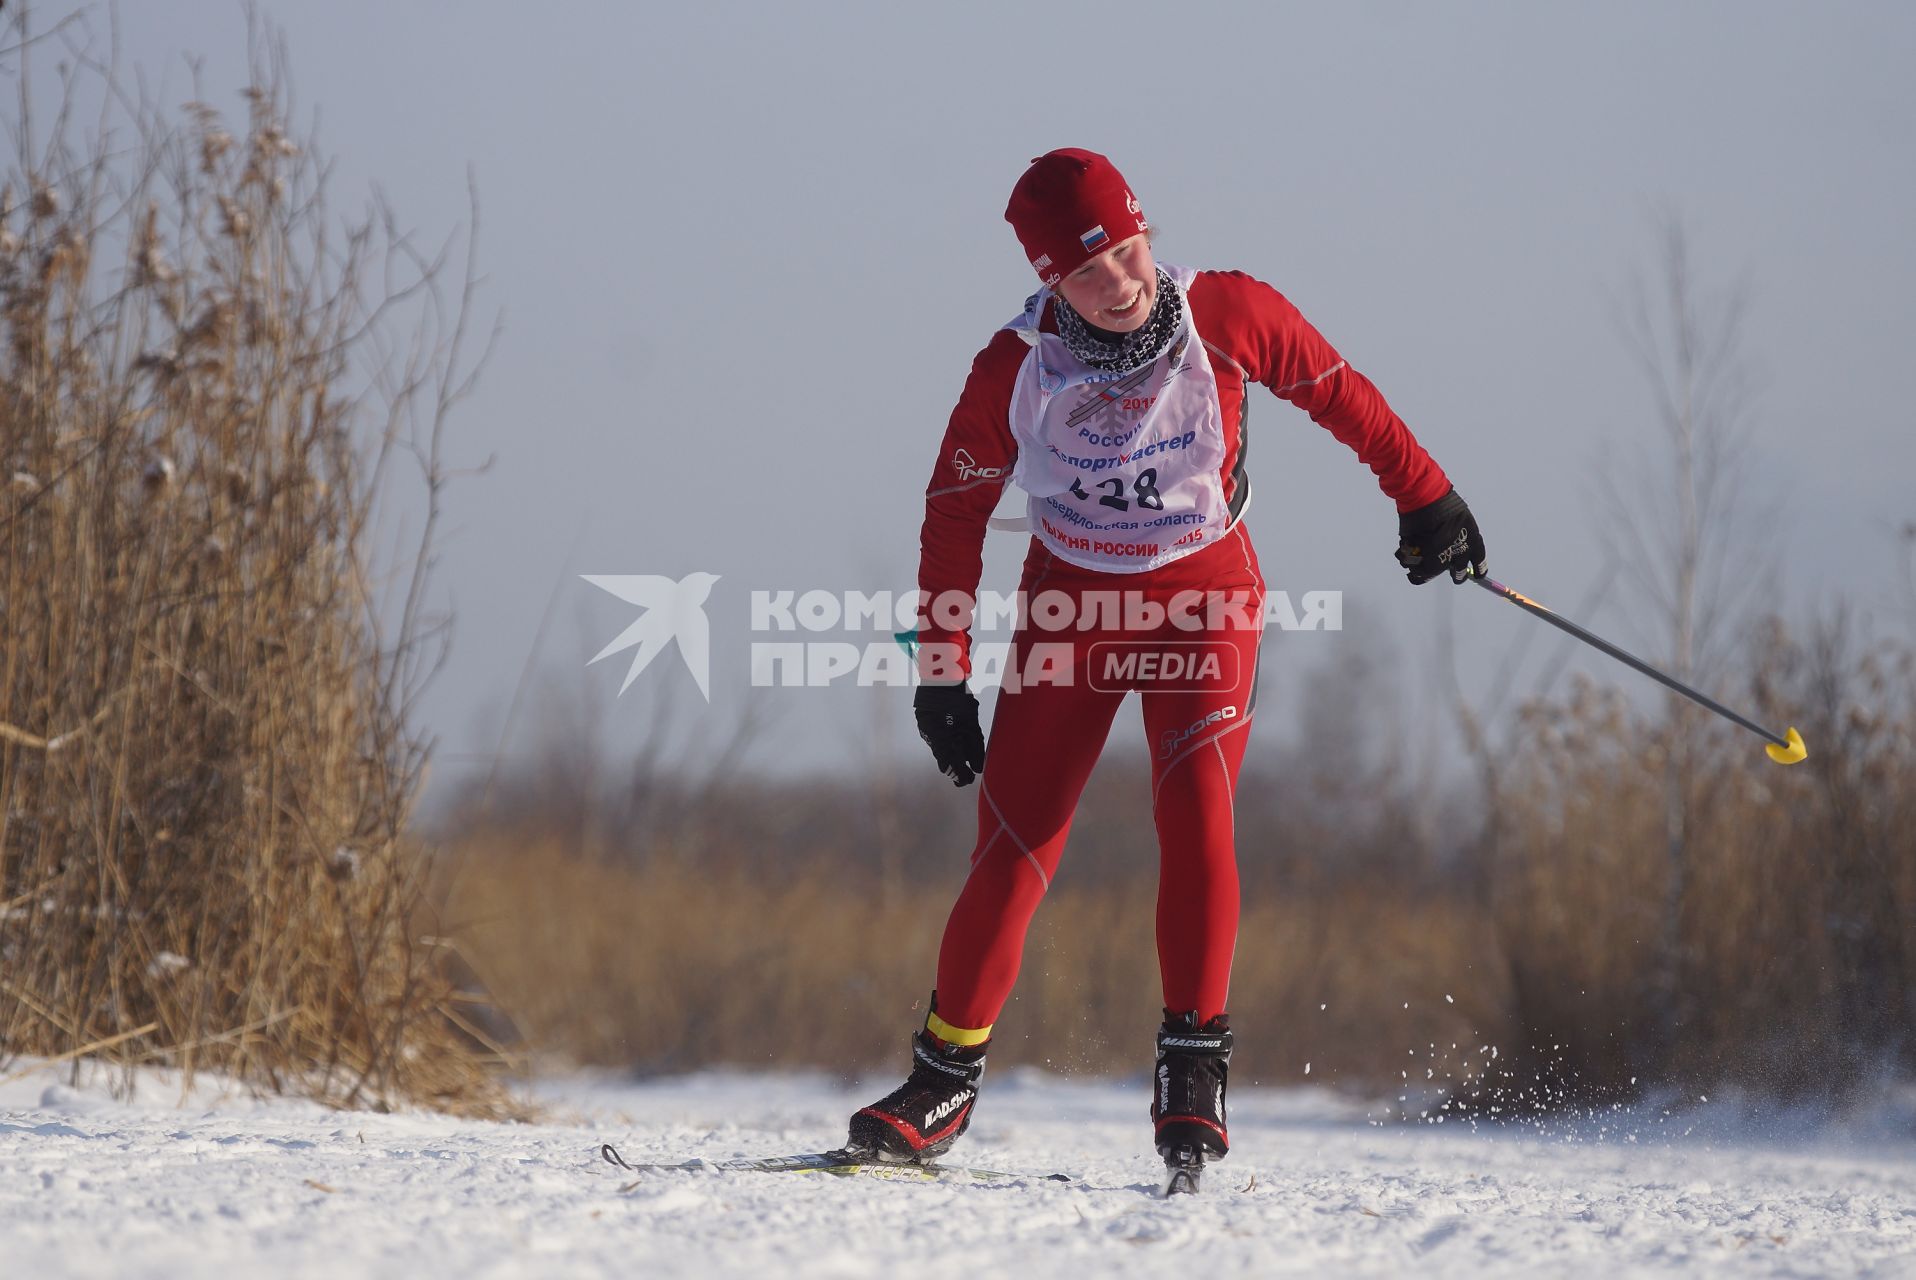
[
  {"x": 1187, "y": 1104},
  {"x": 920, "y": 1119}
]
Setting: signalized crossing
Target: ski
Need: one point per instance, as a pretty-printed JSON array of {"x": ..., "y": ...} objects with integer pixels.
[
  {"x": 1183, "y": 1167},
  {"x": 841, "y": 1163}
]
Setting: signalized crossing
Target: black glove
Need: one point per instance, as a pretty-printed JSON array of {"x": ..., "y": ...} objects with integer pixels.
[
  {"x": 1440, "y": 536},
  {"x": 947, "y": 717}
]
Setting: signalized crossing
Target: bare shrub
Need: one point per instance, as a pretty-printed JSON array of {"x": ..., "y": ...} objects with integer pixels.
[
  {"x": 1676, "y": 911},
  {"x": 205, "y": 767}
]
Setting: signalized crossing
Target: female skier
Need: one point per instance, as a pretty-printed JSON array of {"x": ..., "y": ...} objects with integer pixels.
[{"x": 1117, "y": 402}]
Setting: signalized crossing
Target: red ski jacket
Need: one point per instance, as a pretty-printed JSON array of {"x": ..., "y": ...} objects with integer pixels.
[{"x": 1253, "y": 333}]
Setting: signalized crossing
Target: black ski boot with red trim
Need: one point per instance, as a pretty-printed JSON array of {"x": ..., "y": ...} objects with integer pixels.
[
  {"x": 1187, "y": 1101},
  {"x": 921, "y": 1118}
]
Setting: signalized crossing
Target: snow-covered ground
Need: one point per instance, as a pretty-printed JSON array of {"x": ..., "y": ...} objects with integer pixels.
[{"x": 235, "y": 1187}]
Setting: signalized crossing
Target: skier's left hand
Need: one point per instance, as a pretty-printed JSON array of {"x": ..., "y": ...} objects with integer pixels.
[{"x": 1440, "y": 536}]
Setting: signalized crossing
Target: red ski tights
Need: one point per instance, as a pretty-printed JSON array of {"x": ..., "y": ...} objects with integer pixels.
[{"x": 1045, "y": 738}]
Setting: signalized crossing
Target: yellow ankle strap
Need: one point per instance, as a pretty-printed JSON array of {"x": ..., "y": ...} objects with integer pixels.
[{"x": 959, "y": 1036}]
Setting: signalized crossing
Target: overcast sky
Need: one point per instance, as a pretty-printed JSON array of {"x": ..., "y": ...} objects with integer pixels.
[{"x": 745, "y": 253}]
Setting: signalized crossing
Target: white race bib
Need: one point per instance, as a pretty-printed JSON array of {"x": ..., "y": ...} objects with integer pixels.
[{"x": 1122, "y": 469}]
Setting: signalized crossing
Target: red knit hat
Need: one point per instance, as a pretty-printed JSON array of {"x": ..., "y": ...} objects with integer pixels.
[{"x": 1069, "y": 207}]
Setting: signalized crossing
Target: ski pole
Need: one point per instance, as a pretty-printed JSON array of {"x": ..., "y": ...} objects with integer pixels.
[{"x": 1782, "y": 749}]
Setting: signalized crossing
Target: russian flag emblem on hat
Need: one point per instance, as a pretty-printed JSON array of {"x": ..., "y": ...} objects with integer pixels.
[{"x": 1094, "y": 239}]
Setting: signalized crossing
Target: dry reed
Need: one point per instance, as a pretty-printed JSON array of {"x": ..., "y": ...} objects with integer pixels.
[{"x": 205, "y": 770}]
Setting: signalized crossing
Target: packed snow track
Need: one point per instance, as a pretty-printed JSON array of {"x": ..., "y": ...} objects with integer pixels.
[{"x": 230, "y": 1186}]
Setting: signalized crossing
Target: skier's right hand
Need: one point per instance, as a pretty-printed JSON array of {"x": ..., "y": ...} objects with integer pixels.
[{"x": 947, "y": 718}]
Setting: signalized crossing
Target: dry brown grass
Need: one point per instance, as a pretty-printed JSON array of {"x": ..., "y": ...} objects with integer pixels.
[
  {"x": 666, "y": 963},
  {"x": 205, "y": 770},
  {"x": 1648, "y": 905}
]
